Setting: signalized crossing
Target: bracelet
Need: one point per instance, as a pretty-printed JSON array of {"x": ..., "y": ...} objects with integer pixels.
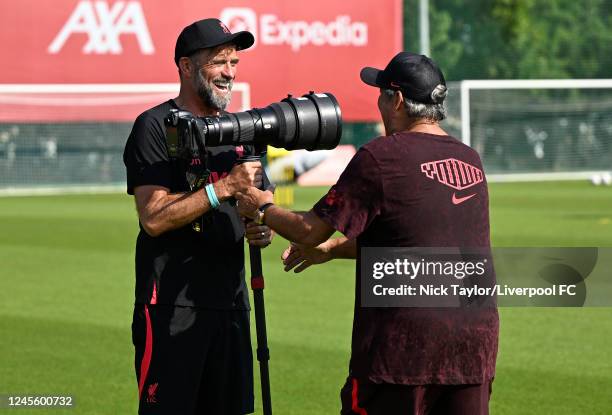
[
  {"x": 212, "y": 196},
  {"x": 263, "y": 207},
  {"x": 261, "y": 212}
]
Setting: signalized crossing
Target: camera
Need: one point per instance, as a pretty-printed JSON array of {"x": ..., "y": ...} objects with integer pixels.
[{"x": 312, "y": 122}]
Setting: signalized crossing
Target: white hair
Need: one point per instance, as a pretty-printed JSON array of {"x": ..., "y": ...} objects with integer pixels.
[{"x": 431, "y": 112}]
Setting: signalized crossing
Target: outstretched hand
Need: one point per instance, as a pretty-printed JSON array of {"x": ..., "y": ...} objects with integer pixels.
[{"x": 301, "y": 257}]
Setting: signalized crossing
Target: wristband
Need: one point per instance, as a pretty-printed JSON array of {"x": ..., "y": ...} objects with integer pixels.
[
  {"x": 212, "y": 196},
  {"x": 263, "y": 207},
  {"x": 259, "y": 218}
]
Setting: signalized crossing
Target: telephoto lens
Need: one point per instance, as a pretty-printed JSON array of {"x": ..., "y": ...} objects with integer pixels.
[{"x": 312, "y": 122}]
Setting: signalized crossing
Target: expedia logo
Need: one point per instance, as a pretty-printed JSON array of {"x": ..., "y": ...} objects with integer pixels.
[
  {"x": 453, "y": 173},
  {"x": 270, "y": 30},
  {"x": 238, "y": 19}
]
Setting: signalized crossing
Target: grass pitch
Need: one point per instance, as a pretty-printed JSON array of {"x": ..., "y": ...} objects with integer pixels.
[{"x": 66, "y": 295}]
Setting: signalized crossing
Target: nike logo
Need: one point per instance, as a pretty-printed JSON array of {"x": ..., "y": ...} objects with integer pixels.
[{"x": 458, "y": 200}]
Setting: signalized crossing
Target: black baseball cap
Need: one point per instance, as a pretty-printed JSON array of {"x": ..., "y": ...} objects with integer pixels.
[
  {"x": 209, "y": 33},
  {"x": 415, "y": 75}
]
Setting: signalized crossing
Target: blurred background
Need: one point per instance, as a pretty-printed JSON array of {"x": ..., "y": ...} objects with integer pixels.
[
  {"x": 530, "y": 88},
  {"x": 72, "y": 88}
]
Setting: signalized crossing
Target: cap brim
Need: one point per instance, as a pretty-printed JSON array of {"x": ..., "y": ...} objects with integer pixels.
[
  {"x": 242, "y": 40},
  {"x": 370, "y": 76}
]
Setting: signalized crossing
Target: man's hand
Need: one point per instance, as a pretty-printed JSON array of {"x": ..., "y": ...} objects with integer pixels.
[
  {"x": 304, "y": 257},
  {"x": 241, "y": 177},
  {"x": 251, "y": 199},
  {"x": 258, "y": 235}
]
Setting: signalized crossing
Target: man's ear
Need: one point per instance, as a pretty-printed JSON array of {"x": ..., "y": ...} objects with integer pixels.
[
  {"x": 185, "y": 66},
  {"x": 398, "y": 100}
]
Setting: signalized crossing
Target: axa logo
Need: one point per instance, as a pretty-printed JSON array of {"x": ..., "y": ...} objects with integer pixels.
[
  {"x": 269, "y": 29},
  {"x": 455, "y": 174},
  {"x": 103, "y": 24}
]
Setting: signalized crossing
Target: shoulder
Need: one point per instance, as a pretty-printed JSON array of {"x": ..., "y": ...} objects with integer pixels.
[
  {"x": 375, "y": 145},
  {"x": 151, "y": 123},
  {"x": 470, "y": 153},
  {"x": 154, "y": 115},
  {"x": 148, "y": 132},
  {"x": 363, "y": 164}
]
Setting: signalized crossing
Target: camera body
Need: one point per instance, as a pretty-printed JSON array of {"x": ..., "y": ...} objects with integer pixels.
[{"x": 183, "y": 138}]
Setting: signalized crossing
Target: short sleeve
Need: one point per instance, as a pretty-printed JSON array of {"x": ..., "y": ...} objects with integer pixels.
[
  {"x": 354, "y": 201},
  {"x": 145, "y": 155}
]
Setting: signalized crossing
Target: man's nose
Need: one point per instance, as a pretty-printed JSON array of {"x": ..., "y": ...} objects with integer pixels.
[{"x": 229, "y": 71}]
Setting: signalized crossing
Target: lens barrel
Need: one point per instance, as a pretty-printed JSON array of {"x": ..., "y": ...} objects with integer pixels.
[{"x": 311, "y": 122}]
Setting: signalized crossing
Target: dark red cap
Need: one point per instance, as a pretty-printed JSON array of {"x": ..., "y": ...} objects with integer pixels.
[
  {"x": 415, "y": 75},
  {"x": 209, "y": 33}
]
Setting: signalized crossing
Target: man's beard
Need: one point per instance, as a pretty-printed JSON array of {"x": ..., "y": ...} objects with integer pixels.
[{"x": 209, "y": 96}]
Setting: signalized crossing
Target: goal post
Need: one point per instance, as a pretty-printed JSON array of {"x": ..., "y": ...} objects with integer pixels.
[{"x": 536, "y": 130}]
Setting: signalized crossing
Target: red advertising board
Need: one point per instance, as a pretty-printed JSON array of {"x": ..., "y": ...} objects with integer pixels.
[{"x": 316, "y": 45}]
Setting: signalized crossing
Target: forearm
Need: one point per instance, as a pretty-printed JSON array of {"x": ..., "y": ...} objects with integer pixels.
[
  {"x": 290, "y": 225},
  {"x": 304, "y": 228},
  {"x": 175, "y": 210},
  {"x": 299, "y": 227},
  {"x": 341, "y": 248}
]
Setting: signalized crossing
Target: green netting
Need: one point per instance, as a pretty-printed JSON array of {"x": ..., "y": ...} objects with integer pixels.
[
  {"x": 515, "y": 131},
  {"x": 542, "y": 131},
  {"x": 65, "y": 154},
  {"x": 62, "y": 154}
]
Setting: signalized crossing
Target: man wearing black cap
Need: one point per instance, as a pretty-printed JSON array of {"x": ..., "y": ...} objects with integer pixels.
[
  {"x": 191, "y": 321},
  {"x": 414, "y": 187}
]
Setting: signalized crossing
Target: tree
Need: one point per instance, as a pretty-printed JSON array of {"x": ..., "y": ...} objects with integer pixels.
[{"x": 511, "y": 39}]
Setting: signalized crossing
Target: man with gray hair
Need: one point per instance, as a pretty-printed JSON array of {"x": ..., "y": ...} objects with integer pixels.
[{"x": 415, "y": 187}]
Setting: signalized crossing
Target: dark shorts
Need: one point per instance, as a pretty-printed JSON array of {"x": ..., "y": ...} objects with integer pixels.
[
  {"x": 360, "y": 398},
  {"x": 192, "y": 361}
]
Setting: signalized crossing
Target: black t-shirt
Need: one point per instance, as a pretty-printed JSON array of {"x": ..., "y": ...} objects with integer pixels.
[
  {"x": 416, "y": 190},
  {"x": 184, "y": 267}
]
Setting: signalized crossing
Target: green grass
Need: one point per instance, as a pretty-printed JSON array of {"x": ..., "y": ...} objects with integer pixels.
[{"x": 66, "y": 294}]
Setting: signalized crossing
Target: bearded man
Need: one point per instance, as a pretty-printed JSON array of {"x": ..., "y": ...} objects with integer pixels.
[{"x": 191, "y": 315}]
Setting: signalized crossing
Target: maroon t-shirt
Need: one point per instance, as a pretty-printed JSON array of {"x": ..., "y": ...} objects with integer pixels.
[{"x": 416, "y": 190}]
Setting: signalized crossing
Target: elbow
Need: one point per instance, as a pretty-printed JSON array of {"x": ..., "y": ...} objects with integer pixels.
[{"x": 152, "y": 228}]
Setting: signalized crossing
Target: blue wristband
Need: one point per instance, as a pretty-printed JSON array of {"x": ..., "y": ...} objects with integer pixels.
[{"x": 212, "y": 196}]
